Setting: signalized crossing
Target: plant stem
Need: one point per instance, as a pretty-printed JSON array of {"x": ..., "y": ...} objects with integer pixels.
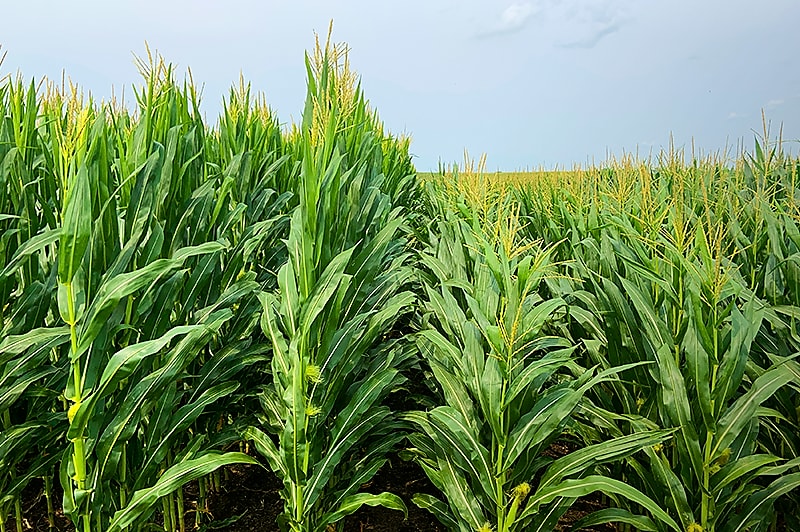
[
  {"x": 706, "y": 500},
  {"x": 78, "y": 454},
  {"x": 6, "y": 424},
  {"x": 123, "y": 475},
  {"x": 705, "y": 497},
  {"x": 18, "y": 514},
  {"x": 499, "y": 484},
  {"x": 48, "y": 493},
  {"x": 165, "y": 513},
  {"x": 298, "y": 503},
  {"x": 201, "y": 501},
  {"x": 181, "y": 511}
]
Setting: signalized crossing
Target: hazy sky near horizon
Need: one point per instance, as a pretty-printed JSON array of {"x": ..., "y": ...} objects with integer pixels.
[{"x": 529, "y": 82}]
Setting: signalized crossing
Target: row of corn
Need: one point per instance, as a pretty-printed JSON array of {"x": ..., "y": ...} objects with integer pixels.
[{"x": 177, "y": 298}]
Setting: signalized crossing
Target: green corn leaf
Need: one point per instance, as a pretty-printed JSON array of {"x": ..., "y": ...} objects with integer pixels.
[
  {"x": 352, "y": 503},
  {"x": 42, "y": 466},
  {"x": 654, "y": 328},
  {"x": 120, "y": 367},
  {"x": 267, "y": 448},
  {"x": 14, "y": 441},
  {"x": 290, "y": 298},
  {"x": 616, "y": 515},
  {"x": 582, "y": 459},
  {"x": 697, "y": 361},
  {"x": 50, "y": 337},
  {"x": 444, "y": 348},
  {"x": 463, "y": 504},
  {"x": 180, "y": 422},
  {"x": 28, "y": 248},
  {"x": 744, "y": 328},
  {"x": 676, "y": 405},
  {"x": 120, "y": 286},
  {"x": 673, "y": 489},
  {"x": 206, "y": 248},
  {"x": 11, "y": 391},
  {"x": 293, "y": 441},
  {"x": 16, "y": 344},
  {"x": 490, "y": 389},
  {"x": 590, "y": 484},
  {"x": 608, "y": 374},
  {"x": 536, "y": 317},
  {"x": 370, "y": 258},
  {"x": 439, "y": 510},
  {"x": 68, "y": 502},
  {"x": 547, "y": 519},
  {"x": 77, "y": 227},
  {"x": 742, "y": 411},
  {"x": 759, "y": 504},
  {"x": 141, "y": 201},
  {"x": 325, "y": 288},
  {"x": 455, "y": 393},
  {"x": 461, "y": 442},
  {"x": 535, "y": 370},
  {"x": 144, "y": 501},
  {"x": 782, "y": 468},
  {"x": 741, "y": 468},
  {"x": 341, "y": 443},
  {"x": 126, "y": 418},
  {"x": 541, "y": 422}
]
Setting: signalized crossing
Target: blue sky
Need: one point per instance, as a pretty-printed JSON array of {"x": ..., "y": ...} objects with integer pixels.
[{"x": 529, "y": 82}]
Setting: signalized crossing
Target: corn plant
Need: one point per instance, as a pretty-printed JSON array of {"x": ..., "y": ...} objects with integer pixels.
[
  {"x": 510, "y": 384},
  {"x": 137, "y": 310},
  {"x": 135, "y": 386},
  {"x": 30, "y": 425},
  {"x": 339, "y": 294},
  {"x": 677, "y": 298},
  {"x": 169, "y": 288}
]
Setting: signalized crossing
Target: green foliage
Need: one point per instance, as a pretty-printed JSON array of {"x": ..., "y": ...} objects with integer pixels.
[
  {"x": 339, "y": 295},
  {"x": 685, "y": 266},
  {"x": 507, "y": 375},
  {"x": 173, "y": 293},
  {"x": 130, "y": 283}
]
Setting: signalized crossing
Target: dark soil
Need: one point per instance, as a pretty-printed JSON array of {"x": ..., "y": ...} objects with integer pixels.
[
  {"x": 404, "y": 479},
  {"x": 249, "y": 501},
  {"x": 34, "y": 509}
]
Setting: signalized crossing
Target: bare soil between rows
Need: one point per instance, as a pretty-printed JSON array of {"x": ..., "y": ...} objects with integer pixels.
[{"x": 249, "y": 501}]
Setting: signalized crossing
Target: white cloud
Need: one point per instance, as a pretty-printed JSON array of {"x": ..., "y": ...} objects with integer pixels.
[
  {"x": 733, "y": 115},
  {"x": 515, "y": 16},
  {"x": 772, "y": 104},
  {"x": 512, "y": 19}
]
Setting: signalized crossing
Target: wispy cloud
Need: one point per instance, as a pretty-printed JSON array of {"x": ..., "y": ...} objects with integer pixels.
[
  {"x": 591, "y": 40},
  {"x": 594, "y": 20},
  {"x": 512, "y": 19},
  {"x": 772, "y": 104},
  {"x": 585, "y": 22},
  {"x": 734, "y": 115}
]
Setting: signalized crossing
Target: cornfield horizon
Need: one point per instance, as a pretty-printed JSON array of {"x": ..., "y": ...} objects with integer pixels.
[{"x": 178, "y": 297}]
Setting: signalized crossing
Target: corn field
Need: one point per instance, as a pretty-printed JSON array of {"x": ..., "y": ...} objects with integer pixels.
[{"x": 179, "y": 297}]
